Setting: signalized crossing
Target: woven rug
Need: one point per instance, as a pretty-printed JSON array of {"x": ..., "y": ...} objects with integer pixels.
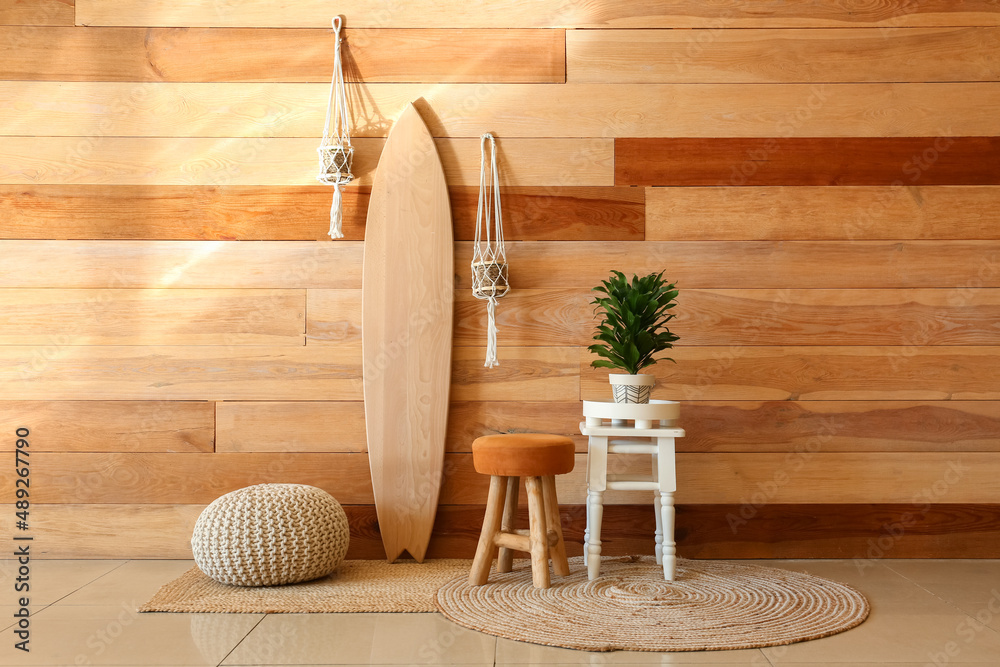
[
  {"x": 712, "y": 605},
  {"x": 357, "y": 586}
]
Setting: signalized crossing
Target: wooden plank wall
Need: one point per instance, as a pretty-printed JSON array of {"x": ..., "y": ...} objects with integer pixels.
[{"x": 821, "y": 179}]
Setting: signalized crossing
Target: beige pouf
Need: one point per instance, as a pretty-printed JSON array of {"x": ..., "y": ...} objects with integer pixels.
[{"x": 271, "y": 534}]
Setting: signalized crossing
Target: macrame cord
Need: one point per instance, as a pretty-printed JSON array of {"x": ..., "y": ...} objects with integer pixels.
[
  {"x": 336, "y": 152},
  {"x": 489, "y": 259}
]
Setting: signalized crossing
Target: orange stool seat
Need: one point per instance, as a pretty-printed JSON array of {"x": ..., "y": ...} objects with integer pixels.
[
  {"x": 523, "y": 455},
  {"x": 507, "y": 457}
]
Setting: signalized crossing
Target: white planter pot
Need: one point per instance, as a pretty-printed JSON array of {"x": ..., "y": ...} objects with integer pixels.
[{"x": 631, "y": 388}]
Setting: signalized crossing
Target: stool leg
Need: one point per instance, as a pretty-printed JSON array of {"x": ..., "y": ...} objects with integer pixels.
[
  {"x": 656, "y": 511},
  {"x": 558, "y": 550},
  {"x": 595, "y": 514},
  {"x": 669, "y": 546},
  {"x": 659, "y": 527},
  {"x": 537, "y": 533},
  {"x": 491, "y": 525},
  {"x": 505, "y": 560}
]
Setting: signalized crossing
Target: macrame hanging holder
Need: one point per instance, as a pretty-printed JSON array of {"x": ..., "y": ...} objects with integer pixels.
[
  {"x": 489, "y": 259},
  {"x": 335, "y": 152}
]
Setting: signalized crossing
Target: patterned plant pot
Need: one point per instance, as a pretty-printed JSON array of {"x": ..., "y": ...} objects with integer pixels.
[{"x": 631, "y": 388}]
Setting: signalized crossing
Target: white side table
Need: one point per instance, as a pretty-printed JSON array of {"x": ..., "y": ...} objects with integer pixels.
[{"x": 631, "y": 428}]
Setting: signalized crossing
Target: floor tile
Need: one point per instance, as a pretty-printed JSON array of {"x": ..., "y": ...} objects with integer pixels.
[
  {"x": 178, "y": 640},
  {"x": 80, "y": 612},
  {"x": 7, "y": 619},
  {"x": 50, "y": 580},
  {"x": 662, "y": 659},
  {"x": 971, "y": 585},
  {"x": 136, "y": 580},
  {"x": 885, "y": 589},
  {"x": 898, "y": 636},
  {"x": 380, "y": 639},
  {"x": 522, "y": 653}
]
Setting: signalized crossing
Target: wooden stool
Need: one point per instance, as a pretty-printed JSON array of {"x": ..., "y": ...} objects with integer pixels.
[{"x": 506, "y": 458}]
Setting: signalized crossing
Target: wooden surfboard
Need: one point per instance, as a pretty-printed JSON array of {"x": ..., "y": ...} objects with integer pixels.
[{"x": 406, "y": 325}]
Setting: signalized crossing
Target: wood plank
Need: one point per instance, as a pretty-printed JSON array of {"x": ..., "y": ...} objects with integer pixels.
[
  {"x": 468, "y": 420},
  {"x": 838, "y": 55},
  {"x": 178, "y": 212},
  {"x": 819, "y": 478},
  {"x": 106, "y": 160},
  {"x": 304, "y": 426},
  {"x": 524, "y": 374},
  {"x": 263, "y": 373},
  {"x": 765, "y": 426},
  {"x": 297, "y": 213},
  {"x": 560, "y": 316},
  {"x": 763, "y": 478},
  {"x": 819, "y": 373},
  {"x": 37, "y": 12},
  {"x": 247, "y": 54},
  {"x": 911, "y": 317},
  {"x": 840, "y": 426},
  {"x": 152, "y": 317},
  {"x": 179, "y": 373},
  {"x": 180, "y": 264},
  {"x": 339, "y": 426},
  {"x": 956, "y": 265},
  {"x": 111, "y": 426},
  {"x": 124, "y": 530},
  {"x": 530, "y": 317},
  {"x": 557, "y": 213},
  {"x": 756, "y": 478},
  {"x": 776, "y": 531},
  {"x": 809, "y": 161},
  {"x": 156, "y": 531},
  {"x": 273, "y": 110},
  {"x": 189, "y": 478},
  {"x": 819, "y": 212},
  {"x": 711, "y": 426},
  {"x": 864, "y": 532},
  {"x": 543, "y": 14},
  {"x": 334, "y": 317}
]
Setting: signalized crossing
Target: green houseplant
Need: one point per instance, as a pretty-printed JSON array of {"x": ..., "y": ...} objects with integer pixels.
[{"x": 633, "y": 330}]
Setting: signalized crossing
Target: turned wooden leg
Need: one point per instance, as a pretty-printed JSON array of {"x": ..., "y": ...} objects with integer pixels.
[
  {"x": 505, "y": 559},
  {"x": 491, "y": 526},
  {"x": 669, "y": 546},
  {"x": 595, "y": 514},
  {"x": 537, "y": 533},
  {"x": 659, "y": 527},
  {"x": 558, "y": 550}
]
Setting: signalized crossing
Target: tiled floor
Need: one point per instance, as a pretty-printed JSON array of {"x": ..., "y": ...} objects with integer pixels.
[{"x": 924, "y": 613}]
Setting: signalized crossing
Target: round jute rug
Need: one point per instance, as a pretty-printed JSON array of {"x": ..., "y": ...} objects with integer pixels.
[{"x": 711, "y": 605}]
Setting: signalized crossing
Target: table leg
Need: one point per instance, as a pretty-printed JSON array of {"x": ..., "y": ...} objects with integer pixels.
[
  {"x": 595, "y": 514},
  {"x": 659, "y": 527},
  {"x": 669, "y": 546}
]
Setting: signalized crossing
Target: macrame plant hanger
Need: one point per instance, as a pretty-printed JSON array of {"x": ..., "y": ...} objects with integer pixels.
[
  {"x": 489, "y": 259},
  {"x": 336, "y": 153}
]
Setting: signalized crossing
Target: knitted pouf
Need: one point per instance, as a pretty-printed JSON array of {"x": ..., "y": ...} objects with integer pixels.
[{"x": 271, "y": 534}]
